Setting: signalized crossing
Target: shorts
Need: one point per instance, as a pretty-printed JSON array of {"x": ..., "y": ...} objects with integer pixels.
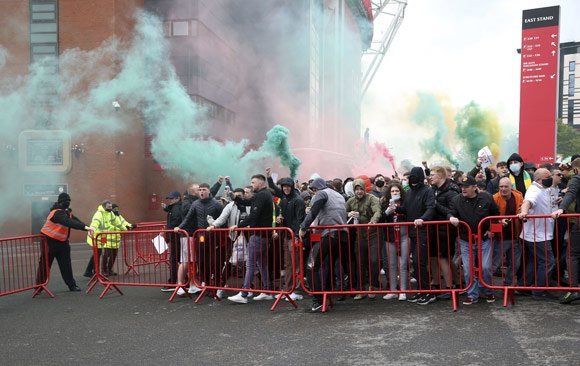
[{"x": 184, "y": 257}]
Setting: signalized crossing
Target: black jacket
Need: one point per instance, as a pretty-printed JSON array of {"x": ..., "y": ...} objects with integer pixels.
[
  {"x": 186, "y": 203},
  {"x": 572, "y": 195},
  {"x": 443, "y": 197},
  {"x": 197, "y": 216},
  {"x": 291, "y": 206},
  {"x": 419, "y": 199},
  {"x": 472, "y": 211},
  {"x": 261, "y": 211},
  {"x": 174, "y": 215}
]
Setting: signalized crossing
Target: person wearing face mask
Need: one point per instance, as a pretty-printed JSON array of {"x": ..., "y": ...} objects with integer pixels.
[
  {"x": 379, "y": 186},
  {"x": 56, "y": 230},
  {"x": 397, "y": 241},
  {"x": 520, "y": 179},
  {"x": 103, "y": 221},
  {"x": 405, "y": 181},
  {"x": 419, "y": 206},
  {"x": 537, "y": 233},
  {"x": 111, "y": 247}
]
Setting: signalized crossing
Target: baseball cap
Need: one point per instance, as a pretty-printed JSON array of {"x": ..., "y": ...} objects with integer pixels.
[{"x": 173, "y": 195}]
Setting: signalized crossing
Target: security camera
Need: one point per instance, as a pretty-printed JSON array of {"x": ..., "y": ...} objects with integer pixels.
[{"x": 116, "y": 105}]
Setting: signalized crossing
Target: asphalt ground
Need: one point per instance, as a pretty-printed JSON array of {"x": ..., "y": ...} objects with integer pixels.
[{"x": 143, "y": 328}]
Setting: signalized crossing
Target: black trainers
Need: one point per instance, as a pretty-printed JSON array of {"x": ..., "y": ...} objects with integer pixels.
[
  {"x": 316, "y": 307},
  {"x": 414, "y": 297},
  {"x": 426, "y": 299},
  {"x": 74, "y": 288},
  {"x": 569, "y": 297}
]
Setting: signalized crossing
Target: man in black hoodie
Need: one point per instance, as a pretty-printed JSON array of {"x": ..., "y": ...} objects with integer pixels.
[
  {"x": 56, "y": 230},
  {"x": 261, "y": 216},
  {"x": 292, "y": 209},
  {"x": 419, "y": 206}
]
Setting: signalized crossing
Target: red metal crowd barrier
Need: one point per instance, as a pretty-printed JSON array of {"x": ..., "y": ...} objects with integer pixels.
[
  {"x": 538, "y": 255},
  {"x": 121, "y": 252},
  {"x": 371, "y": 260},
  {"x": 244, "y": 260},
  {"x": 146, "y": 252},
  {"x": 24, "y": 265}
]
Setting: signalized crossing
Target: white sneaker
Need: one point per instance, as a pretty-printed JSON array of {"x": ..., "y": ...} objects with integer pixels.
[
  {"x": 382, "y": 271},
  {"x": 295, "y": 297},
  {"x": 402, "y": 297},
  {"x": 220, "y": 294},
  {"x": 181, "y": 292},
  {"x": 390, "y": 296},
  {"x": 250, "y": 294},
  {"x": 263, "y": 296},
  {"x": 193, "y": 289},
  {"x": 238, "y": 298}
]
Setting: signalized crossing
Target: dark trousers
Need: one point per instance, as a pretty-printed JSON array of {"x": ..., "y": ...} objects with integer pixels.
[
  {"x": 108, "y": 260},
  {"x": 368, "y": 261},
  {"x": 420, "y": 251},
  {"x": 60, "y": 251},
  {"x": 574, "y": 261},
  {"x": 90, "y": 270},
  {"x": 331, "y": 247},
  {"x": 174, "y": 244}
]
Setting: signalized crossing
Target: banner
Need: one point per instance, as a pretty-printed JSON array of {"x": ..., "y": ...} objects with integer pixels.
[{"x": 539, "y": 84}]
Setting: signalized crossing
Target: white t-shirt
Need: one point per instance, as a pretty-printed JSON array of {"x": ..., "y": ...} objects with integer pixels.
[{"x": 538, "y": 229}]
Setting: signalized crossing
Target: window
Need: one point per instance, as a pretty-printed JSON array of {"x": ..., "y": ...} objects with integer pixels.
[
  {"x": 572, "y": 66},
  {"x": 571, "y": 85},
  {"x": 180, "y": 28},
  {"x": 43, "y": 29}
]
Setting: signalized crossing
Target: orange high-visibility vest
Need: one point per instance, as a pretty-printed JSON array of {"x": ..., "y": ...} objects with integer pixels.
[{"x": 55, "y": 231}]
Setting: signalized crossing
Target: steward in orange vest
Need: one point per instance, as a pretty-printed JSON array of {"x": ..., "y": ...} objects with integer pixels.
[{"x": 56, "y": 230}]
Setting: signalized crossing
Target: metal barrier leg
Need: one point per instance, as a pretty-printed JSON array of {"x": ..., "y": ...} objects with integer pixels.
[
  {"x": 41, "y": 288},
  {"x": 107, "y": 288},
  {"x": 177, "y": 289},
  {"x": 455, "y": 300},
  {"x": 198, "y": 299},
  {"x": 288, "y": 298}
]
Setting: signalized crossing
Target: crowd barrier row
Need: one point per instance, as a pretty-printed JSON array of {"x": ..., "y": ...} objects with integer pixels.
[
  {"x": 24, "y": 265},
  {"x": 395, "y": 260}
]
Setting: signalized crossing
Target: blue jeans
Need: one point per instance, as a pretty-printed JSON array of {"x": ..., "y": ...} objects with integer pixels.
[
  {"x": 543, "y": 264},
  {"x": 486, "y": 270},
  {"x": 512, "y": 250},
  {"x": 257, "y": 254}
]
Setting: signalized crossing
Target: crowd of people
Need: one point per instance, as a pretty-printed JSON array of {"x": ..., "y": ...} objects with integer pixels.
[{"x": 416, "y": 254}]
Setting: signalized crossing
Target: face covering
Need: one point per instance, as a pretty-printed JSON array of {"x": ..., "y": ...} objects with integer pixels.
[
  {"x": 515, "y": 167},
  {"x": 547, "y": 183},
  {"x": 116, "y": 213},
  {"x": 413, "y": 180},
  {"x": 65, "y": 204},
  {"x": 109, "y": 209},
  {"x": 405, "y": 184},
  {"x": 380, "y": 183},
  {"x": 395, "y": 197}
]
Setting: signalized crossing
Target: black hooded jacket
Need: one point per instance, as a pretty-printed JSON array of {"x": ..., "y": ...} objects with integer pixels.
[
  {"x": 291, "y": 206},
  {"x": 443, "y": 197},
  {"x": 419, "y": 200}
]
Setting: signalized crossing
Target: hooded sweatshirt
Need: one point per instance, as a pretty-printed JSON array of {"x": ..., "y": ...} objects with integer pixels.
[
  {"x": 368, "y": 207},
  {"x": 419, "y": 199},
  {"x": 291, "y": 205},
  {"x": 522, "y": 181},
  {"x": 327, "y": 205}
]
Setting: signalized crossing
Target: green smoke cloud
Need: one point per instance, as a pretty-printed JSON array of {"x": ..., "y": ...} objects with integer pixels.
[
  {"x": 476, "y": 128},
  {"x": 429, "y": 114}
]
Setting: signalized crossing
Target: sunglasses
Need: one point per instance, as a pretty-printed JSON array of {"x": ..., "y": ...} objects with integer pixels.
[{"x": 559, "y": 174}]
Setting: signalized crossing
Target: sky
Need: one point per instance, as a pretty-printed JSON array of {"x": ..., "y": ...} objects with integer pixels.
[{"x": 461, "y": 50}]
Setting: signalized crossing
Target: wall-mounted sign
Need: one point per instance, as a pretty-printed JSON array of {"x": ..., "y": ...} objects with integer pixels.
[
  {"x": 44, "y": 151},
  {"x": 39, "y": 190}
]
